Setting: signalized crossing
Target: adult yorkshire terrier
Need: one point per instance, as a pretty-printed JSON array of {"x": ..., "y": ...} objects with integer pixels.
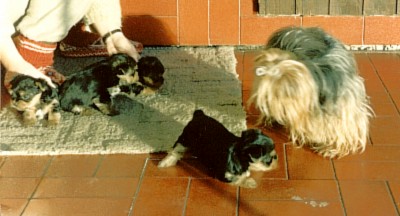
[
  {"x": 35, "y": 99},
  {"x": 229, "y": 158},
  {"x": 307, "y": 81}
]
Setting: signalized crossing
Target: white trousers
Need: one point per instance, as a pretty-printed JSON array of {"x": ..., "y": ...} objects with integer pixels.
[{"x": 50, "y": 20}]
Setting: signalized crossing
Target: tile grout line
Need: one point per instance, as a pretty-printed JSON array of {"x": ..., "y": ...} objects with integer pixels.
[
  {"x": 99, "y": 164},
  {"x": 237, "y": 201},
  {"x": 3, "y": 162},
  {"x": 38, "y": 184},
  {"x": 239, "y": 23},
  {"x": 339, "y": 188},
  {"x": 187, "y": 196},
  {"x": 388, "y": 188},
  {"x": 383, "y": 84},
  {"x": 178, "y": 20},
  {"x": 135, "y": 196},
  {"x": 286, "y": 161},
  {"x": 208, "y": 23},
  {"x": 363, "y": 31}
]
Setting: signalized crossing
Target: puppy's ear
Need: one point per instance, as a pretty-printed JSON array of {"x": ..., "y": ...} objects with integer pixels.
[
  {"x": 198, "y": 113},
  {"x": 250, "y": 133},
  {"x": 234, "y": 164},
  {"x": 122, "y": 62},
  {"x": 253, "y": 137}
]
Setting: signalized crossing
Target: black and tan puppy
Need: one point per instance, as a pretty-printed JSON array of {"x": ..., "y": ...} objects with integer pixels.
[
  {"x": 150, "y": 70},
  {"x": 99, "y": 82},
  {"x": 35, "y": 99},
  {"x": 229, "y": 158},
  {"x": 90, "y": 86}
]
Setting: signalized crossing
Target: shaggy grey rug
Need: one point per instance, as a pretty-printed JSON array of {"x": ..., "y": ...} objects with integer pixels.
[{"x": 195, "y": 78}]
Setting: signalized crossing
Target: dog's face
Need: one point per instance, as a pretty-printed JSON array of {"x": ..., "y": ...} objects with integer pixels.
[
  {"x": 260, "y": 149},
  {"x": 284, "y": 89},
  {"x": 124, "y": 67},
  {"x": 151, "y": 72},
  {"x": 26, "y": 92},
  {"x": 129, "y": 90},
  {"x": 307, "y": 81},
  {"x": 132, "y": 89}
]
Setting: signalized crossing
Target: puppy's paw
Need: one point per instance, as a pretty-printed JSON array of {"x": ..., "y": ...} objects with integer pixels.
[
  {"x": 29, "y": 118},
  {"x": 108, "y": 110},
  {"x": 242, "y": 180},
  {"x": 168, "y": 161},
  {"x": 40, "y": 114},
  {"x": 249, "y": 183},
  {"x": 148, "y": 91},
  {"x": 77, "y": 110},
  {"x": 54, "y": 119},
  {"x": 105, "y": 108},
  {"x": 29, "y": 121},
  {"x": 114, "y": 91}
]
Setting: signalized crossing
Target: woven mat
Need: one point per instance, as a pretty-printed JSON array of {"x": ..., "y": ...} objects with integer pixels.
[{"x": 195, "y": 78}]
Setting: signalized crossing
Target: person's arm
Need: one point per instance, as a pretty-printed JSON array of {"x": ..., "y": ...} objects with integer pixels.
[
  {"x": 9, "y": 55},
  {"x": 106, "y": 18}
]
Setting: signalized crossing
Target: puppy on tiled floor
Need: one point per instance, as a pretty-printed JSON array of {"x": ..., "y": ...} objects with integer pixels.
[{"x": 228, "y": 157}]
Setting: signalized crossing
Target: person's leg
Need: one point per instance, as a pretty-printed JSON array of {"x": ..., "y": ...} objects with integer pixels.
[
  {"x": 84, "y": 41},
  {"x": 44, "y": 24},
  {"x": 50, "y": 21}
]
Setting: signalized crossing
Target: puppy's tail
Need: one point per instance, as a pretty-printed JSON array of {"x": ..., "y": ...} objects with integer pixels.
[{"x": 198, "y": 113}]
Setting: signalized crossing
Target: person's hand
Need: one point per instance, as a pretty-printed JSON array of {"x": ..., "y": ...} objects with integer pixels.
[
  {"x": 15, "y": 63},
  {"x": 118, "y": 43},
  {"x": 29, "y": 70}
]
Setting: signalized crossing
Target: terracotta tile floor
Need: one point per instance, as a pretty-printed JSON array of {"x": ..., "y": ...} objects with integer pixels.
[{"x": 304, "y": 183}]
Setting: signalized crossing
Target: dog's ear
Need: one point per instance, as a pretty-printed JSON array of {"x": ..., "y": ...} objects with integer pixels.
[
  {"x": 150, "y": 65},
  {"x": 254, "y": 137},
  {"x": 198, "y": 113},
  {"x": 122, "y": 63},
  {"x": 250, "y": 135},
  {"x": 48, "y": 93},
  {"x": 234, "y": 164}
]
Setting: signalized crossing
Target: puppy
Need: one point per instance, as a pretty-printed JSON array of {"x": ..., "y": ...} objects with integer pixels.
[
  {"x": 229, "y": 158},
  {"x": 307, "y": 81},
  {"x": 150, "y": 70},
  {"x": 35, "y": 99},
  {"x": 90, "y": 86}
]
